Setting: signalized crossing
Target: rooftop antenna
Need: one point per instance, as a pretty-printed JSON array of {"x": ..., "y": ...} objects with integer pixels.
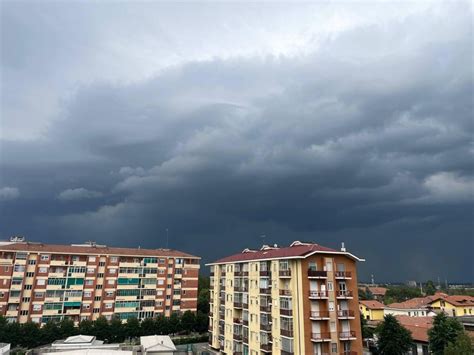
[
  {"x": 421, "y": 287},
  {"x": 167, "y": 238},
  {"x": 372, "y": 277},
  {"x": 446, "y": 282},
  {"x": 343, "y": 247},
  {"x": 439, "y": 283}
]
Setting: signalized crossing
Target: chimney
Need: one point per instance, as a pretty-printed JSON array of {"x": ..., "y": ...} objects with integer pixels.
[{"x": 343, "y": 248}]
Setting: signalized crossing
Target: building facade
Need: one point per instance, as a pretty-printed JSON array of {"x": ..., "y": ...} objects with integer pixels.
[
  {"x": 40, "y": 282},
  {"x": 300, "y": 299}
]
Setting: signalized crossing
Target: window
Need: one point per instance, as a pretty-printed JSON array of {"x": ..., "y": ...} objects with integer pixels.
[
  {"x": 39, "y": 294},
  {"x": 331, "y": 306},
  {"x": 334, "y": 347},
  {"x": 89, "y": 282},
  {"x": 330, "y": 286},
  {"x": 23, "y": 313},
  {"x": 30, "y": 274},
  {"x": 28, "y": 287},
  {"x": 92, "y": 259},
  {"x": 25, "y": 299},
  {"x": 97, "y": 298},
  {"x": 45, "y": 257},
  {"x": 96, "y": 310},
  {"x": 108, "y": 305},
  {"x": 41, "y": 282},
  {"x": 36, "y": 307},
  {"x": 113, "y": 259},
  {"x": 43, "y": 270},
  {"x": 31, "y": 262},
  {"x": 112, "y": 271},
  {"x": 90, "y": 270},
  {"x": 329, "y": 267},
  {"x": 87, "y": 294},
  {"x": 110, "y": 282},
  {"x": 102, "y": 263}
]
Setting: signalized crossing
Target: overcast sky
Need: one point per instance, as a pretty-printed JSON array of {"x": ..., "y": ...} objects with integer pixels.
[{"x": 328, "y": 122}]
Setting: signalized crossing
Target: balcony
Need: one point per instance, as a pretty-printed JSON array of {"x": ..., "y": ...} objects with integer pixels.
[
  {"x": 238, "y": 337},
  {"x": 344, "y": 294},
  {"x": 222, "y": 273},
  {"x": 238, "y": 304},
  {"x": 318, "y": 294},
  {"x": 265, "y": 291},
  {"x": 245, "y": 322},
  {"x": 286, "y": 312},
  {"x": 221, "y": 316},
  {"x": 349, "y": 335},
  {"x": 283, "y": 352},
  {"x": 349, "y": 352},
  {"x": 241, "y": 273},
  {"x": 245, "y": 339},
  {"x": 285, "y": 292},
  {"x": 266, "y": 347},
  {"x": 264, "y": 273},
  {"x": 286, "y": 333},
  {"x": 266, "y": 309},
  {"x": 285, "y": 273},
  {"x": 237, "y": 320},
  {"x": 317, "y": 274},
  {"x": 211, "y": 273},
  {"x": 320, "y": 337},
  {"x": 342, "y": 274},
  {"x": 245, "y": 305},
  {"x": 241, "y": 289},
  {"x": 266, "y": 327},
  {"x": 345, "y": 314},
  {"x": 319, "y": 315}
]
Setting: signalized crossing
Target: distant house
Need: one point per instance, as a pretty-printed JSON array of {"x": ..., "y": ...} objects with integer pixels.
[
  {"x": 415, "y": 307},
  {"x": 456, "y": 305},
  {"x": 81, "y": 345},
  {"x": 378, "y": 292},
  {"x": 371, "y": 309},
  {"x": 157, "y": 344},
  {"x": 418, "y": 326}
]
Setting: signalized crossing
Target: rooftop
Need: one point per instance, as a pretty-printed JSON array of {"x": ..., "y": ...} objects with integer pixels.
[
  {"x": 372, "y": 304},
  {"x": 297, "y": 249},
  {"x": 418, "y": 326},
  {"x": 88, "y": 249},
  {"x": 378, "y": 291},
  {"x": 157, "y": 343},
  {"x": 414, "y": 303}
]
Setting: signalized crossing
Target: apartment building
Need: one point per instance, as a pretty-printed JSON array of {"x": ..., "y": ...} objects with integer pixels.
[
  {"x": 41, "y": 282},
  {"x": 300, "y": 299}
]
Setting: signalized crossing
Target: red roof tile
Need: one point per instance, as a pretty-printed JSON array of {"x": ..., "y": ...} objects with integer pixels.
[
  {"x": 73, "y": 249},
  {"x": 378, "y": 291},
  {"x": 279, "y": 253},
  {"x": 418, "y": 326},
  {"x": 417, "y": 302},
  {"x": 372, "y": 304}
]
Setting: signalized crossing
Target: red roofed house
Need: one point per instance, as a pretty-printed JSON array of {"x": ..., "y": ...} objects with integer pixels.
[
  {"x": 418, "y": 326},
  {"x": 300, "y": 299}
]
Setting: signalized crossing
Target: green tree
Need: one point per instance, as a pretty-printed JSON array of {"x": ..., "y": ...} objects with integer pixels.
[
  {"x": 203, "y": 294},
  {"x": 162, "y": 325},
  {"x": 66, "y": 328},
  {"x": 366, "y": 331},
  {"x": 116, "y": 328},
  {"x": 132, "y": 328},
  {"x": 101, "y": 329},
  {"x": 401, "y": 293},
  {"x": 444, "y": 331},
  {"x": 188, "y": 321},
  {"x": 50, "y": 332},
  {"x": 463, "y": 345},
  {"x": 202, "y": 322},
  {"x": 30, "y": 335},
  {"x": 368, "y": 294},
  {"x": 148, "y": 326},
  {"x": 393, "y": 338},
  {"x": 174, "y": 323},
  {"x": 14, "y": 335},
  {"x": 430, "y": 288},
  {"x": 86, "y": 327}
]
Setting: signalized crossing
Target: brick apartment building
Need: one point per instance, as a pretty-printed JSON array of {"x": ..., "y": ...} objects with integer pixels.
[
  {"x": 300, "y": 299},
  {"x": 41, "y": 282}
]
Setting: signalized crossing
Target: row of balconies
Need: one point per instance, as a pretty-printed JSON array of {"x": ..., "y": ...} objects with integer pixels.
[
  {"x": 324, "y": 294},
  {"x": 315, "y": 315},
  {"x": 326, "y": 336}
]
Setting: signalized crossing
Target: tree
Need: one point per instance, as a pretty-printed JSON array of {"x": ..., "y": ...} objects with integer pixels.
[
  {"x": 30, "y": 335},
  {"x": 401, "y": 293},
  {"x": 174, "y": 323},
  {"x": 147, "y": 327},
  {"x": 188, "y": 321},
  {"x": 50, "y": 332},
  {"x": 430, "y": 288},
  {"x": 101, "y": 329},
  {"x": 462, "y": 346},
  {"x": 86, "y": 327},
  {"x": 66, "y": 328},
  {"x": 202, "y": 322},
  {"x": 444, "y": 331},
  {"x": 203, "y": 294},
  {"x": 368, "y": 294},
  {"x": 132, "y": 328},
  {"x": 116, "y": 329},
  {"x": 366, "y": 331},
  {"x": 162, "y": 325},
  {"x": 393, "y": 338}
]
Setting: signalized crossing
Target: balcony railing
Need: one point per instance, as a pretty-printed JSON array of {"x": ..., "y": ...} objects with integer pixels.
[
  {"x": 266, "y": 347},
  {"x": 345, "y": 313},
  {"x": 317, "y": 273},
  {"x": 285, "y": 292},
  {"x": 347, "y": 335},
  {"x": 286, "y": 333},
  {"x": 264, "y": 273},
  {"x": 319, "y": 314},
  {"x": 267, "y": 309},
  {"x": 266, "y": 327},
  {"x": 222, "y": 273},
  {"x": 245, "y": 321},
  {"x": 211, "y": 273},
  {"x": 265, "y": 291},
  {"x": 320, "y": 336},
  {"x": 245, "y": 339},
  {"x": 237, "y": 320},
  {"x": 285, "y": 273},
  {"x": 344, "y": 294},
  {"x": 238, "y": 337},
  {"x": 222, "y": 316},
  {"x": 286, "y": 312},
  {"x": 342, "y": 274},
  {"x": 237, "y": 304},
  {"x": 241, "y": 289},
  {"x": 318, "y": 294},
  {"x": 245, "y": 305}
]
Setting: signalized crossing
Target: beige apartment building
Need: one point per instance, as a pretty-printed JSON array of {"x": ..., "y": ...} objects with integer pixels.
[
  {"x": 41, "y": 282},
  {"x": 300, "y": 299}
]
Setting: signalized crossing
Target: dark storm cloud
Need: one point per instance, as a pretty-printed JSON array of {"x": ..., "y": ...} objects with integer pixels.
[{"x": 367, "y": 140}]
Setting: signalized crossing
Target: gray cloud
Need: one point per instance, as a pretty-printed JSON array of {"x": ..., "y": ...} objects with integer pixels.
[
  {"x": 363, "y": 137},
  {"x": 9, "y": 193},
  {"x": 78, "y": 194}
]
